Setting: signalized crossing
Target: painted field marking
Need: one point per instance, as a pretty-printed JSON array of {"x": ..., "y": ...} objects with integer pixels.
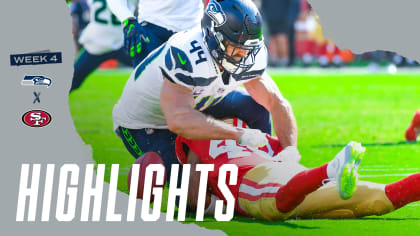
[
  {"x": 396, "y": 169},
  {"x": 385, "y": 175}
]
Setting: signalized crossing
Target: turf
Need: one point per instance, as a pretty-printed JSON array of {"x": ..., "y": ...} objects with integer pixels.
[{"x": 331, "y": 109}]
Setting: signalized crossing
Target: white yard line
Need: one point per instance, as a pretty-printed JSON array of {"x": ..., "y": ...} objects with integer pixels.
[
  {"x": 340, "y": 71},
  {"x": 396, "y": 169},
  {"x": 385, "y": 175},
  {"x": 373, "y": 166}
]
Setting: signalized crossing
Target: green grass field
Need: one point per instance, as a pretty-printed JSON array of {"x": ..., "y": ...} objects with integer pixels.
[{"x": 331, "y": 109}]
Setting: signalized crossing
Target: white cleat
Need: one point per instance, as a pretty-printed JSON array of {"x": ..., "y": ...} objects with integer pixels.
[{"x": 346, "y": 162}]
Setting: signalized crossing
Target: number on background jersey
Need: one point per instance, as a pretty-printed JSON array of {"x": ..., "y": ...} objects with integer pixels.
[
  {"x": 98, "y": 19},
  {"x": 199, "y": 50},
  {"x": 230, "y": 147}
]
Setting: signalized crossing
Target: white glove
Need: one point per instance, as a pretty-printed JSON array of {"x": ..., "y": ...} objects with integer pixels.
[
  {"x": 289, "y": 154},
  {"x": 253, "y": 138}
]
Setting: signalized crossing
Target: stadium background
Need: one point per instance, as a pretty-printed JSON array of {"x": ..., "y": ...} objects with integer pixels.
[{"x": 337, "y": 96}]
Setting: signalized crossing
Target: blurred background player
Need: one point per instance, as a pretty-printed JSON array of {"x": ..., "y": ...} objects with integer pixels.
[
  {"x": 271, "y": 187},
  {"x": 79, "y": 11},
  {"x": 101, "y": 40},
  {"x": 155, "y": 22},
  {"x": 280, "y": 17},
  {"x": 286, "y": 19},
  {"x": 414, "y": 129}
]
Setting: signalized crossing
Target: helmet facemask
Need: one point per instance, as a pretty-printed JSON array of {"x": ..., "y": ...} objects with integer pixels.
[
  {"x": 238, "y": 58},
  {"x": 235, "y": 58}
]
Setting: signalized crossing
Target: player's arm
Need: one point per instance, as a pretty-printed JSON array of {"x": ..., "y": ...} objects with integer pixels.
[
  {"x": 177, "y": 106},
  {"x": 265, "y": 92},
  {"x": 194, "y": 184},
  {"x": 122, "y": 9}
]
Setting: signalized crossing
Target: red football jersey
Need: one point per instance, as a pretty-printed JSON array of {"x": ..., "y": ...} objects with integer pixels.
[{"x": 219, "y": 152}]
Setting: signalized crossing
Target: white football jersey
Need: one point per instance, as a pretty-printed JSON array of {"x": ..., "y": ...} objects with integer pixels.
[
  {"x": 184, "y": 60},
  {"x": 104, "y": 33},
  {"x": 175, "y": 15}
]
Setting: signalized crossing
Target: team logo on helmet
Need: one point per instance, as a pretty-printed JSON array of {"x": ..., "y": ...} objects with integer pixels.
[{"x": 214, "y": 10}]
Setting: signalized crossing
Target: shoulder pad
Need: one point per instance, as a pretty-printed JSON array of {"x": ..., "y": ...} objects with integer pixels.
[{"x": 187, "y": 61}]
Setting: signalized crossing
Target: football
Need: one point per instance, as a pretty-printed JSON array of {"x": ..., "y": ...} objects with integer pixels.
[{"x": 145, "y": 160}]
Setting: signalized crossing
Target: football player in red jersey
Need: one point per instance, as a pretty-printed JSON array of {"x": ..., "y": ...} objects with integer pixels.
[
  {"x": 414, "y": 129},
  {"x": 270, "y": 187}
]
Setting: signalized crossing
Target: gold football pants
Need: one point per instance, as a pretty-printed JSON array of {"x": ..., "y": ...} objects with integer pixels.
[{"x": 259, "y": 186}]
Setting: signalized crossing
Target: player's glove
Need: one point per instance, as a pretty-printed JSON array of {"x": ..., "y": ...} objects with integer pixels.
[
  {"x": 253, "y": 137},
  {"x": 289, "y": 154},
  {"x": 132, "y": 37}
]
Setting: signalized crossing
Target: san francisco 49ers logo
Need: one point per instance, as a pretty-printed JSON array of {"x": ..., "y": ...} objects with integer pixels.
[{"x": 36, "y": 118}]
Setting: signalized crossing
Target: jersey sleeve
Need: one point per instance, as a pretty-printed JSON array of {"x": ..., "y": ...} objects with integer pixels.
[
  {"x": 199, "y": 147},
  {"x": 180, "y": 150},
  {"x": 184, "y": 64},
  {"x": 273, "y": 147}
]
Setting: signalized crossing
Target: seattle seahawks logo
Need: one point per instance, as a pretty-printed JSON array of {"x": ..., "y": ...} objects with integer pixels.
[
  {"x": 39, "y": 80},
  {"x": 214, "y": 10}
]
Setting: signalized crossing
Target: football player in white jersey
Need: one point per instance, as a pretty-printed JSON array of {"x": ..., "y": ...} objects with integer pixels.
[
  {"x": 156, "y": 21},
  {"x": 102, "y": 39},
  {"x": 186, "y": 84}
]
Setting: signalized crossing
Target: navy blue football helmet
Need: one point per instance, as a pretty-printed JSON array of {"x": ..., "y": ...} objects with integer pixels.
[{"x": 235, "y": 25}]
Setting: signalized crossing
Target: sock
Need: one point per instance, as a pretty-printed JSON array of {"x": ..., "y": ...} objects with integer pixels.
[
  {"x": 294, "y": 192},
  {"x": 404, "y": 191}
]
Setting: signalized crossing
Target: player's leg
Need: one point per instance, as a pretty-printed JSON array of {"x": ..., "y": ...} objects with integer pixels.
[
  {"x": 241, "y": 105},
  {"x": 139, "y": 141},
  {"x": 414, "y": 129},
  {"x": 122, "y": 56},
  {"x": 404, "y": 191},
  {"x": 85, "y": 64},
  {"x": 259, "y": 187},
  {"x": 369, "y": 199},
  {"x": 273, "y": 190},
  {"x": 161, "y": 33},
  {"x": 342, "y": 168}
]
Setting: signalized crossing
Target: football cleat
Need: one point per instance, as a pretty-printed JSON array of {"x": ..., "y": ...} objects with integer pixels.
[
  {"x": 414, "y": 129},
  {"x": 347, "y": 162}
]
